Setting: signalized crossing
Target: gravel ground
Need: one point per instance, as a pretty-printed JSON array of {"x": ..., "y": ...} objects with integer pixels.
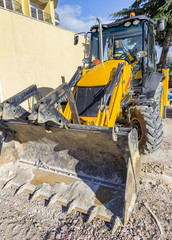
[{"x": 24, "y": 218}]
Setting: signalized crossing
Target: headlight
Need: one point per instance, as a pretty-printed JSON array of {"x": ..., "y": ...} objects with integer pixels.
[
  {"x": 136, "y": 21},
  {"x": 127, "y": 24}
]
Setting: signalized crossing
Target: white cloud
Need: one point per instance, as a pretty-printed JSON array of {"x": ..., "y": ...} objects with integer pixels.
[{"x": 71, "y": 19}]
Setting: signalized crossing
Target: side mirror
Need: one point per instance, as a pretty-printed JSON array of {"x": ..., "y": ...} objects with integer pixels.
[
  {"x": 76, "y": 39},
  {"x": 161, "y": 24}
]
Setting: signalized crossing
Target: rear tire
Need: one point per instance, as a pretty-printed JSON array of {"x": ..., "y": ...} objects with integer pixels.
[{"x": 149, "y": 126}]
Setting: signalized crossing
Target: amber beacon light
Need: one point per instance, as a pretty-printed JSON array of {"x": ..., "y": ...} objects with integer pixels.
[{"x": 132, "y": 14}]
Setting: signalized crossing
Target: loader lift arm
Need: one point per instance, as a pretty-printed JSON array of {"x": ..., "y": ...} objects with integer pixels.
[
  {"x": 11, "y": 108},
  {"x": 45, "y": 110}
]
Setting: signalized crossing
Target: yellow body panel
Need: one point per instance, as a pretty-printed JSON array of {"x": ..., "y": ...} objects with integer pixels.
[
  {"x": 100, "y": 75},
  {"x": 88, "y": 120},
  {"x": 165, "y": 72},
  {"x": 120, "y": 90}
]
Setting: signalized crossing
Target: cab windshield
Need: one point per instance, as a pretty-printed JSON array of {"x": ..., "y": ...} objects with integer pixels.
[
  {"x": 118, "y": 42},
  {"x": 121, "y": 42}
]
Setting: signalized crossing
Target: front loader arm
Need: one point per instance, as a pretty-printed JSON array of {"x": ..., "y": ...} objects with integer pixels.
[
  {"x": 11, "y": 108},
  {"x": 46, "y": 109},
  {"x": 116, "y": 91}
]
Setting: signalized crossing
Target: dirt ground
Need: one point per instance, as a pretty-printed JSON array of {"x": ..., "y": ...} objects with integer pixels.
[{"x": 33, "y": 219}]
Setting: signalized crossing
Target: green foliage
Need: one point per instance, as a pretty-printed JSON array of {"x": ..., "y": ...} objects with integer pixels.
[
  {"x": 166, "y": 11},
  {"x": 155, "y": 9},
  {"x": 169, "y": 62}
]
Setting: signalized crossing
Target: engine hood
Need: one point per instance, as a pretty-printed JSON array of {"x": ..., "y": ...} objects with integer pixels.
[{"x": 100, "y": 75}]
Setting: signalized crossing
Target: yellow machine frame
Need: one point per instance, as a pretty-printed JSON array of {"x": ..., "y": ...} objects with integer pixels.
[{"x": 106, "y": 117}]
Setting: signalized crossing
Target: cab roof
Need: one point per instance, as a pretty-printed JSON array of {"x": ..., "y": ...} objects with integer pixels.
[{"x": 117, "y": 23}]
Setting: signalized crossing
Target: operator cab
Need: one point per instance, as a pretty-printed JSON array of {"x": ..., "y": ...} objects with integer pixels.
[{"x": 131, "y": 40}]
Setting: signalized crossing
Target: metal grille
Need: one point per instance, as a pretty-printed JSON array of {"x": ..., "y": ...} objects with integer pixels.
[{"x": 89, "y": 99}]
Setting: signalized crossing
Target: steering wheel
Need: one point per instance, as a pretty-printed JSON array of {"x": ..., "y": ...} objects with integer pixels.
[{"x": 123, "y": 56}]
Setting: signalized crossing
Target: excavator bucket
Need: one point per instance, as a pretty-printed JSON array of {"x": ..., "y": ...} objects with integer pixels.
[
  {"x": 88, "y": 168},
  {"x": 83, "y": 168}
]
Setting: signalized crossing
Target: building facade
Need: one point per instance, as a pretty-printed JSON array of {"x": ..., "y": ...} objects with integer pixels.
[
  {"x": 42, "y": 10},
  {"x": 34, "y": 52}
]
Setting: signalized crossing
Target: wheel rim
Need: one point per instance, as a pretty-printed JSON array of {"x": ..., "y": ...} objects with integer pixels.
[{"x": 137, "y": 125}]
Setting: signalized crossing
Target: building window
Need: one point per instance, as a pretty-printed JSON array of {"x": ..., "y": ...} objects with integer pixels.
[
  {"x": 33, "y": 12},
  {"x": 36, "y": 10},
  {"x": 11, "y": 5}
]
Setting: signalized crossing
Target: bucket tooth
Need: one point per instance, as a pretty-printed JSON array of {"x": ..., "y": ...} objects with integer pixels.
[
  {"x": 27, "y": 187},
  {"x": 13, "y": 175},
  {"x": 71, "y": 206},
  {"x": 42, "y": 190},
  {"x": 73, "y": 194},
  {"x": 92, "y": 214},
  {"x": 81, "y": 195},
  {"x": 116, "y": 224},
  {"x": 52, "y": 199},
  {"x": 56, "y": 192},
  {"x": 7, "y": 172},
  {"x": 22, "y": 176},
  {"x": 7, "y": 185}
]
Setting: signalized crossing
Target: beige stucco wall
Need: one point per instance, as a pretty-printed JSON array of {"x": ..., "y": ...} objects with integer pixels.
[{"x": 35, "y": 52}]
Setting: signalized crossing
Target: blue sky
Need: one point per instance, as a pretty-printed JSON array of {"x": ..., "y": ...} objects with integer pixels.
[{"x": 80, "y": 15}]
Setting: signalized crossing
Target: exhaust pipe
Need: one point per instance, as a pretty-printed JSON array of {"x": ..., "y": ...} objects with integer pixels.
[{"x": 100, "y": 40}]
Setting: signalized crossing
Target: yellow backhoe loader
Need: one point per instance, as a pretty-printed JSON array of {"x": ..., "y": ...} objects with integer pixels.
[{"x": 79, "y": 145}]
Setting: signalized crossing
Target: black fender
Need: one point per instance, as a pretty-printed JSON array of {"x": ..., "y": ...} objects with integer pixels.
[{"x": 151, "y": 83}]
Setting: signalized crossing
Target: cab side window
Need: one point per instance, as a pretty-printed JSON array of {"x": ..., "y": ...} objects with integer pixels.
[{"x": 151, "y": 56}]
